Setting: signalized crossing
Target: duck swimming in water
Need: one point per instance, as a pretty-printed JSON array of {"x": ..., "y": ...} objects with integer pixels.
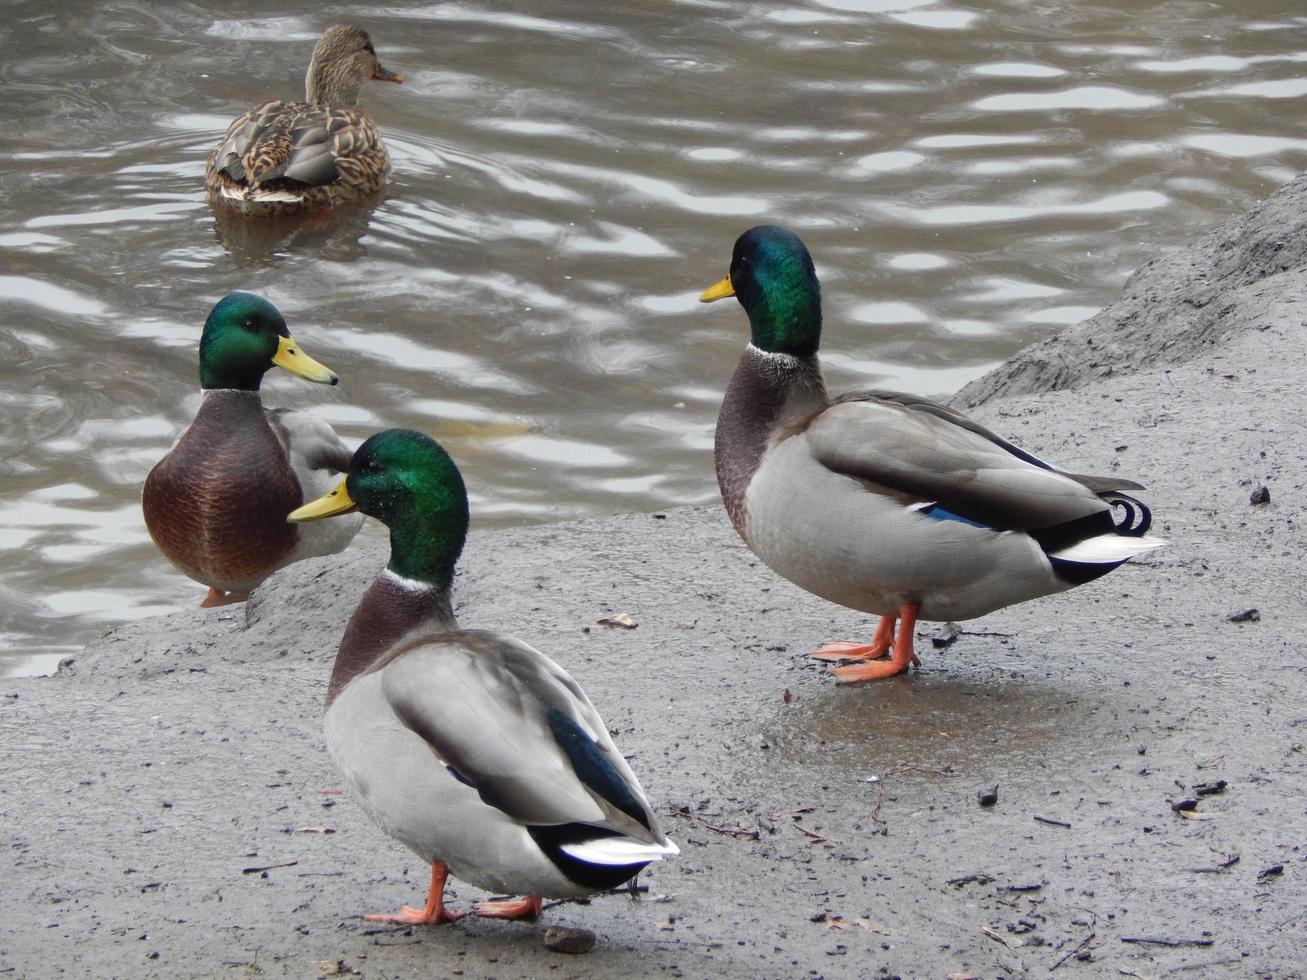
[{"x": 288, "y": 157}]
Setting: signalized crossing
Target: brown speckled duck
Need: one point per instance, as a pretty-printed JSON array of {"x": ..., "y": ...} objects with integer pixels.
[
  {"x": 884, "y": 502},
  {"x": 289, "y": 157},
  {"x": 216, "y": 505}
]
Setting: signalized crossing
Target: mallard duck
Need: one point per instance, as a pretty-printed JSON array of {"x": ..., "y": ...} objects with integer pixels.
[
  {"x": 476, "y": 751},
  {"x": 286, "y": 157},
  {"x": 216, "y": 505},
  {"x": 884, "y": 502}
]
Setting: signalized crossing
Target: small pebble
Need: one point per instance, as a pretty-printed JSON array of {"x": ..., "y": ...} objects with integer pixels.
[
  {"x": 563, "y": 940},
  {"x": 948, "y": 634},
  {"x": 1262, "y": 495},
  {"x": 988, "y": 795}
]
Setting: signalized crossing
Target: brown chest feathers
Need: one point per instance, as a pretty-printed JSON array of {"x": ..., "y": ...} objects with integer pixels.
[
  {"x": 216, "y": 505},
  {"x": 770, "y": 396},
  {"x": 388, "y": 611}
]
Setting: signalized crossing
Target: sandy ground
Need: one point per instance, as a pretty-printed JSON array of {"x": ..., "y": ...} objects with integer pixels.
[{"x": 166, "y": 799}]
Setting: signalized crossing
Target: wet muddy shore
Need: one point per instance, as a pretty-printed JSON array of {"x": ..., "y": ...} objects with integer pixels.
[{"x": 169, "y": 809}]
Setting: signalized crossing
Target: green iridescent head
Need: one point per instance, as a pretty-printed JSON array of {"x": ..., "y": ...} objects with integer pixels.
[
  {"x": 408, "y": 482},
  {"x": 243, "y": 337},
  {"x": 773, "y": 278}
]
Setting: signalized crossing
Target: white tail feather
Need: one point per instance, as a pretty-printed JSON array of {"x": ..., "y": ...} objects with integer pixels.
[
  {"x": 259, "y": 196},
  {"x": 619, "y": 850},
  {"x": 1106, "y": 549}
]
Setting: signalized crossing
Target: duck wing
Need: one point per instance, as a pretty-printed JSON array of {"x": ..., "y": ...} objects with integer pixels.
[
  {"x": 296, "y": 143},
  {"x": 308, "y": 442},
  {"x": 934, "y": 458},
  {"x": 515, "y": 726},
  {"x": 1099, "y": 484}
]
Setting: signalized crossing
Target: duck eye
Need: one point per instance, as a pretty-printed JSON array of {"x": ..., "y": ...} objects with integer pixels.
[{"x": 249, "y": 325}]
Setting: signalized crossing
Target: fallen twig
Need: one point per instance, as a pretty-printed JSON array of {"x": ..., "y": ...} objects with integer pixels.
[
  {"x": 268, "y": 867},
  {"x": 793, "y": 812},
  {"x": 813, "y": 836},
  {"x": 1225, "y": 865},
  {"x": 1051, "y": 822},
  {"x": 1084, "y": 944},
  {"x": 980, "y": 878},
  {"x": 875, "y": 810},
  {"x": 739, "y": 833},
  {"x": 903, "y": 770},
  {"x": 1162, "y": 941},
  {"x": 1081, "y": 950}
]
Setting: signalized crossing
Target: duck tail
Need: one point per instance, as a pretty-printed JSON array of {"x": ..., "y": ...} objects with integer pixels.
[
  {"x": 620, "y": 850},
  {"x": 1130, "y": 517}
]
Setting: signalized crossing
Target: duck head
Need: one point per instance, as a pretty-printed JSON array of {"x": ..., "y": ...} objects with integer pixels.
[
  {"x": 408, "y": 482},
  {"x": 773, "y": 278},
  {"x": 343, "y": 61},
  {"x": 243, "y": 338}
]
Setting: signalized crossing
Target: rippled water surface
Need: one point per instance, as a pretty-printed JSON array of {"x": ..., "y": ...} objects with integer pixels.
[{"x": 567, "y": 178}]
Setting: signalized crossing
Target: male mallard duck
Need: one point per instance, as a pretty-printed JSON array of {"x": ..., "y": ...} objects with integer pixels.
[
  {"x": 216, "y": 505},
  {"x": 884, "y": 502},
  {"x": 476, "y": 751},
  {"x": 285, "y": 157}
]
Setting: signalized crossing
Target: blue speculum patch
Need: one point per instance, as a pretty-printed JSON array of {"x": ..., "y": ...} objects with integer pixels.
[{"x": 938, "y": 513}]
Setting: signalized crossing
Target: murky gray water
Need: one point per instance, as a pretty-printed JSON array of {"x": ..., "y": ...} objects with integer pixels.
[{"x": 567, "y": 177}]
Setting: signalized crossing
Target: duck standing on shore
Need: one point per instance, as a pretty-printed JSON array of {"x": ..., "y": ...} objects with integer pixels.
[
  {"x": 288, "y": 157},
  {"x": 473, "y": 749},
  {"x": 885, "y": 502},
  {"x": 216, "y": 504}
]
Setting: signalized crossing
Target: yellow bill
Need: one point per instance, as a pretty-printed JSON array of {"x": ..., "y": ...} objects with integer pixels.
[
  {"x": 718, "y": 290},
  {"x": 328, "y": 505},
  {"x": 300, "y": 364}
]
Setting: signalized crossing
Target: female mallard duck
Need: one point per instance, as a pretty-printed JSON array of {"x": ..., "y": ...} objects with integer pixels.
[
  {"x": 884, "y": 502},
  {"x": 476, "y": 751},
  {"x": 216, "y": 505},
  {"x": 285, "y": 157}
]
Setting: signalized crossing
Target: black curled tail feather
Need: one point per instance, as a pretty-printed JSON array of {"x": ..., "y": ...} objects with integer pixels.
[{"x": 1130, "y": 517}]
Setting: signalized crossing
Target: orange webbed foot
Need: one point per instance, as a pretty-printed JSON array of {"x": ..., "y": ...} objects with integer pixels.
[
  {"x": 523, "y": 908},
  {"x": 879, "y": 646},
  {"x": 899, "y": 647},
  {"x": 409, "y": 916},
  {"x": 433, "y": 914},
  {"x": 218, "y": 598},
  {"x": 873, "y": 671},
  {"x": 837, "y": 651}
]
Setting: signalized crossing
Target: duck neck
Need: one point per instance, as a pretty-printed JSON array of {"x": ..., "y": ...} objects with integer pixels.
[
  {"x": 768, "y": 393},
  {"x": 332, "y": 84},
  {"x": 425, "y": 542},
  {"x": 393, "y": 608}
]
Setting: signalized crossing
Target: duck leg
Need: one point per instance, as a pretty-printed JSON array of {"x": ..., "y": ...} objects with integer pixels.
[
  {"x": 217, "y": 598},
  {"x": 901, "y": 655},
  {"x": 524, "y": 908},
  {"x": 878, "y": 647},
  {"x": 435, "y": 912}
]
